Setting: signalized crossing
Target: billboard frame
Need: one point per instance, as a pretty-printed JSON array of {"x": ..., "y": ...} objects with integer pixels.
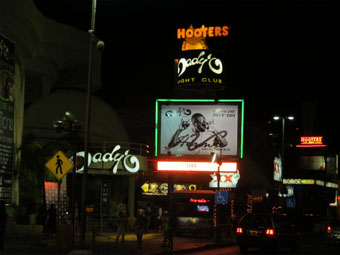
[{"x": 239, "y": 102}]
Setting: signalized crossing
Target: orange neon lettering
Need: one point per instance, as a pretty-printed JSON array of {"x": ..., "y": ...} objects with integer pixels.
[
  {"x": 189, "y": 33},
  {"x": 204, "y": 30},
  {"x": 180, "y": 33},
  {"x": 198, "y": 32},
  {"x": 218, "y": 31},
  {"x": 211, "y": 31},
  {"x": 225, "y": 30}
]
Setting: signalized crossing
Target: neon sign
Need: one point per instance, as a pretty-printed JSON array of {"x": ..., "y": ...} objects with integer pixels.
[
  {"x": 199, "y": 200},
  {"x": 311, "y": 141},
  {"x": 129, "y": 162},
  {"x": 196, "y": 166},
  {"x": 216, "y": 31}
]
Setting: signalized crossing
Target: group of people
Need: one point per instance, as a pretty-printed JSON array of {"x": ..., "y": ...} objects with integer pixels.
[{"x": 141, "y": 226}]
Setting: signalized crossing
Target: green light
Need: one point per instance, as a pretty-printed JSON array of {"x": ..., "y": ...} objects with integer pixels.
[
  {"x": 185, "y": 100},
  {"x": 156, "y": 129}
]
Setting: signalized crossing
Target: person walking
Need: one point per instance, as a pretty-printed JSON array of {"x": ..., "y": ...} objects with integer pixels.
[
  {"x": 51, "y": 227},
  {"x": 166, "y": 228},
  {"x": 122, "y": 226},
  {"x": 140, "y": 225},
  {"x": 3, "y": 223}
]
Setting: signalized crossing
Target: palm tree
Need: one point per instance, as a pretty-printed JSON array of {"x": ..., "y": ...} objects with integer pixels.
[{"x": 32, "y": 173}]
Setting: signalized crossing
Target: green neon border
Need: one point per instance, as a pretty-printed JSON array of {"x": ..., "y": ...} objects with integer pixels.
[{"x": 205, "y": 101}]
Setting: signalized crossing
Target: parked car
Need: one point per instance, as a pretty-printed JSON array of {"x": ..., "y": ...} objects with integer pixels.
[
  {"x": 333, "y": 231},
  {"x": 267, "y": 231}
]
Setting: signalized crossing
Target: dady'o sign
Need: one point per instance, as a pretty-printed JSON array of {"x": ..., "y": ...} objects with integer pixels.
[
  {"x": 200, "y": 68},
  {"x": 112, "y": 162}
]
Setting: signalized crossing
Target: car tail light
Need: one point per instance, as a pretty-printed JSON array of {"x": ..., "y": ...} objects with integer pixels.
[
  {"x": 270, "y": 232},
  {"x": 239, "y": 230},
  {"x": 329, "y": 229}
]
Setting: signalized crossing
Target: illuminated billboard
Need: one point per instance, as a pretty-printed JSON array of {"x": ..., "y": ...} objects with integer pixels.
[
  {"x": 199, "y": 127},
  {"x": 200, "y": 69}
]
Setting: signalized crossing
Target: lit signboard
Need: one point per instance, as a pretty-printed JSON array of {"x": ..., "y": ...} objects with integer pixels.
[
  {"x": 311, "y": 141},
  {"x": 196, "y": 166},
  {"x": 310, "y": 182},
  {"x": 202, "y": 32},
  {"x": 200, "y": 69},
  {"x": 277, "y": 169},
  {"x": 113, "y": 161},
  {"x": 227, "y": 180},
  {"x": 199, "y": 127}
]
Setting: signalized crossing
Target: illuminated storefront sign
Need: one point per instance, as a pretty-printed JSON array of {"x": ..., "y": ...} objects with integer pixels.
[
  {"x": 161, "y": 188},
  {"x": 227, "y": 180},
  {"x": 200, "y": 69},
  {"x": 311, "y": 141},
  {"x": 113, "y": 161},
  {"x": 310, "y": 182},
  {"x": 212, "y": 31},
  {"x": 199, "y": 200},
  {"x": 196, "y": 166}
]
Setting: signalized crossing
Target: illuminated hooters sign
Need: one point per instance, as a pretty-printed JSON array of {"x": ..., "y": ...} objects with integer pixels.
[
  {"x": 202, "y": 32},
  {"x": 113, "y": 161},
  {"x": 196, "y": 166},
  {"x": 311, "y": 141}
]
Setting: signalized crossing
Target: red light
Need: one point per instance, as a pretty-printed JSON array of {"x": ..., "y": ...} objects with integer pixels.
[
  {"x": 329, "y": 229},
  {"x": 270, "y": 232},
  {"x": 239, "y": 230}
]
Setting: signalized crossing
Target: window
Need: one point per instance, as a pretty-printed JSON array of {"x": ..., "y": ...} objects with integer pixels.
[{"x": 312, "y": 163}]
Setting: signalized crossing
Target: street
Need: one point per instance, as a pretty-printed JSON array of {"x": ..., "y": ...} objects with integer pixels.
[{"x": 311, "y": 244}]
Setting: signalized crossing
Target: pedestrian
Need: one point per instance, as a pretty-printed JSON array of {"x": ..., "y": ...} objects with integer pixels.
[
  {"x": 140, "y": 225},
  {"x": 122, "y": 226},
  {"x": 159, "y": 222},
  {"x": 148, "y": 218},
  {"x": 3, "y": 223},
  {"x": 51, "y": 220},
  {"x": 166, "y": 228}
]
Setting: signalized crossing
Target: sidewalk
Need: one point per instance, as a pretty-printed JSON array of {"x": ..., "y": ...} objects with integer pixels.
[
  {"x": 31, "y": 240},
  {"x": 152, "y": 244}
]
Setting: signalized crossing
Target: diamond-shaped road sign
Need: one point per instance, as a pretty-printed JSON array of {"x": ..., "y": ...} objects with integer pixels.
[{"x": 59, "y": 165}]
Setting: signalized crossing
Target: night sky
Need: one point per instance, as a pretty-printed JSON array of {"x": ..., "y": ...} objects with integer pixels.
[{"x": 279, "y": 53}]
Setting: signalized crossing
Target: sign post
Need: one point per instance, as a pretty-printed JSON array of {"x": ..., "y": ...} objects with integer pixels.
[{"x": 59, "y": 165}]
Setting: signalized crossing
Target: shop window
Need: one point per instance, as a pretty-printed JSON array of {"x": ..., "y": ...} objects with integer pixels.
[{"x": 312, "y": 163}]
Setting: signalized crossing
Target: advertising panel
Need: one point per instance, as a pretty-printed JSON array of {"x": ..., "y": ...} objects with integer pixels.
[
  {"x": 200, "y": 69},
  {"x": 199, "y": 127},
  {"x": 7, "y": 66},
  {"x": 277, "y": 169}
]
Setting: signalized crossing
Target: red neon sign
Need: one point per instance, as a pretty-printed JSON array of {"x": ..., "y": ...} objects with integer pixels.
[
  {"x": 199, "y": 200},
  {"x": 311, "y": 141}
]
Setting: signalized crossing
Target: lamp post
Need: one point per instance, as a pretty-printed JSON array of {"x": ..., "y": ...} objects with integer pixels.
[
  {"x": 283, "y": 138},
  {"x": 219, "y": 162},
  {"x": 100, "y": 47}
]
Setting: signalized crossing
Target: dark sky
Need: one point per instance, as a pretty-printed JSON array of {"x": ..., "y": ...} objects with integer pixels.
[{"x": 279, "y": 53}]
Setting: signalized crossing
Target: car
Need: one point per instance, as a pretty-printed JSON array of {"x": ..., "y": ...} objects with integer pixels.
[
  {"x": 333, "y": 232},
  {"x": 267, "y": 231}
]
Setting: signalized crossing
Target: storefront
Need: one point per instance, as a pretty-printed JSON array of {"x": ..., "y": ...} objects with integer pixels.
[{"x": 112, "y": 173}]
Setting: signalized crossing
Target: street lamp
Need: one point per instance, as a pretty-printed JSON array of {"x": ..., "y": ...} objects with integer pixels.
[
  {"x": 100, "y": 46},
  {"x": 283, "y": 138}
]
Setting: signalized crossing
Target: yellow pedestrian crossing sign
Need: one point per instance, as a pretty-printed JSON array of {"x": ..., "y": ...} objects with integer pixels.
[{"x": 59, "y": 165}]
